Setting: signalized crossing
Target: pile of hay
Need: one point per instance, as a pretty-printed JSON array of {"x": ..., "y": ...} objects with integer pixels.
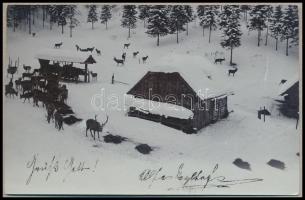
[
  {"x": 144, "y": 148},
  {"x": 277, "y": 164},
  {"x": 116, "y": 139},
  {"x": 242, "y": 164},
  {"x": 71, "y": 120}
]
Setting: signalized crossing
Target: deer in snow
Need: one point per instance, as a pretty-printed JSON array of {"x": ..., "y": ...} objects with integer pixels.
[
  {"x": 126, "y": 45},
  {"x": 144, "y": 59},
  {"x": 232, "y": 71},
  {"x": 57, "y": 45},
  {"x": 93, "y": 124},
  {"x": 118, "y": 61},
  {"x": 219, "y": 60}
]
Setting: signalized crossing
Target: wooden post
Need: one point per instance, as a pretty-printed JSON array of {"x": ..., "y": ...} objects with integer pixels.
[{"x": 86, "y": 72}]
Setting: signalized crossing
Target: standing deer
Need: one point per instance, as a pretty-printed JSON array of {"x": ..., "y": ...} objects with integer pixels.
[
  {"x": 232, "y": 71},
  {"x": 126, "y": 45},
  {"x": 219, "y": 60},
  {"x": 144, "y": 59},
  {"x": 93, "y": 124},
  {"x": 77, "y": 47},
  {"x": 124, "y": 56},
  {"x": 135, "y": 54},
  {"x": 118, "y": 61},
  {"x": 94, "y": 76},
  {"x": 98, "y": 52},
  {"x": 57, "y": 45}
]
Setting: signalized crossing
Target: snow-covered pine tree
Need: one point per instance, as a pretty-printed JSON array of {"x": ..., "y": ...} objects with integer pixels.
[
  {"x": 92, "y": 15},
  {"x": 53, "y": 14},
  {"x": 105, "y": 14},
  {"x": 290, "y": 28},
  {"x": 12, "y": 12},
  {"x": 210, "y": 18},
  {"x": 230, "y": 26},
  {"x": 158, "y": 22},
  {"x": 129, "y": 18},
  {"x": 245, "y": 9},
  {"x": 177, "y": 19},
  {"x": 143, "y": 12},
  {"x": 200, "y": 14},
  {"x": 258, "y": 20},
  {"x": 71, "y": 15},
  {"x": 276, "y": 24},
  {"x": 190, "y": 16},
  {"x": 268, "y": 11}
]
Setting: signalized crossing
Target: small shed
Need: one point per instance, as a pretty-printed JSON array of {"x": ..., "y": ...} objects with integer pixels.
[
  {"x": 290, "y": 93},
  {"x": 63, "y": 62},
  {"x": 188, "y": 82}
]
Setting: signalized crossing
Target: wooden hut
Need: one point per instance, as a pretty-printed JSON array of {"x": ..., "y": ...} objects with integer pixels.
[
  {"x": 192, "y": 88},
  {"x": 290, "y": 93},
  {"x": 63, "y": 64}
]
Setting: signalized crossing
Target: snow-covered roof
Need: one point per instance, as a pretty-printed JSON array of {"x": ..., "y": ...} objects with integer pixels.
[
  {"x": 289, "y": 83},
  {"x": 158, "y": 108},
  {"x": 197, "y": 71},
  {"x": 62, "y": 55}
]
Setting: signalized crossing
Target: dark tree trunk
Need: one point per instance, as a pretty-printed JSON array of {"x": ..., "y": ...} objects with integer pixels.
[
  {"x": 33, "y": 13},
  {"x": 158, "y": 40},
  {"x": 177, "y": 33},
  {"x": 258, "y": 37},
  {"x": 187, "y": 28},
  {"x": 276, "y": 40},
  {"x": 210, "y": 33},
  {"x": 144, "y": 23},
  {"x": 287, "y": 46},
  {"x": 231, "y": 56},
  {"x": 129, "y": 32},
  {"x": 202, "y": 30},
  {"x": 62, "y": 28},
  {"x": 92, "y": 25},
  {"x": 43, "y": 16},
  {"x": 266, "y": 42},
  {"x": 106, "y": 24},
  {"x": 30, "y": 31}
]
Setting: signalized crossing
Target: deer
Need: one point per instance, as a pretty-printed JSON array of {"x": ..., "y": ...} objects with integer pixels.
[
  {"x": 33, "y": 34},
  {"x": 98, "y": 52},
  {"x": 126, "y": 45},
  {"x": 93, "y": 124},
  {"x": 50, "y": 111},
  {"x": 118, "y": 61},
  {"x": 9, "y": 90},
  {"x": 219, "y": 60},
  {"x": 57, "y": 45},
  {"x": 26, "y": 68},
  {"x": 25, "y": 96},
  {"x": 83, "y": 50},
  {"x": 144, "y": 59},
  {"x": 135, "y": 54},
  {"x": 94, "y": 76},
  {"x": 58, "y": 121},
  {"x": 124, "y": 56},
  {"x": 282, "y": 81},
  {"x": 77, "y": 47},
  {"x": 232, "y": 71},
  {"x": 90, "y": 49}
]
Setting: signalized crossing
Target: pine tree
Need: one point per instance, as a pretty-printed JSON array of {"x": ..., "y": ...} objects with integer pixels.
[
  {"x": 200, "y": 14},
  {"x": 290, "y": 29},
  {"x": 92, "y": 15},
  {"x": 258, "y": 20},
  {"x": 177, "y": 19},
  {"x": 210, "y": 18},
  {"x": 106, "y": 14},
  {"x": 245, "y": 9},
  {"x": 268, "y": 13},
  {"x": 230, "y": 25},
  {"x": 53, "y": 13},
  {"x": 143, "y": 12},
  {"x": 129, "y": 18},
  {"x": 71, "y": 15},
  {"x": 190, "y": 16},
  {"x": 276, "y": 24},
  {"x": 158, "y": 22}
]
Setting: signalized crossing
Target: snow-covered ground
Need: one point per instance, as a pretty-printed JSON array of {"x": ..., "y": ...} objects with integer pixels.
[{"x": 115, "y": 168}]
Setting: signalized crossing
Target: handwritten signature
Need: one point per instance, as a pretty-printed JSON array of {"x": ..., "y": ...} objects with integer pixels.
[
  {"x": 70, "y": 165},
  {"x": 197, "y": 180}
]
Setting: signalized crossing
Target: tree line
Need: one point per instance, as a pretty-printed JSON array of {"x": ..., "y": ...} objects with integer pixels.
[{"x": 279, "y": 22}]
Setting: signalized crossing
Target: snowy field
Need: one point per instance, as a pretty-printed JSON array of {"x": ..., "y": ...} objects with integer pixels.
[{"x": 115, "y": 168}]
